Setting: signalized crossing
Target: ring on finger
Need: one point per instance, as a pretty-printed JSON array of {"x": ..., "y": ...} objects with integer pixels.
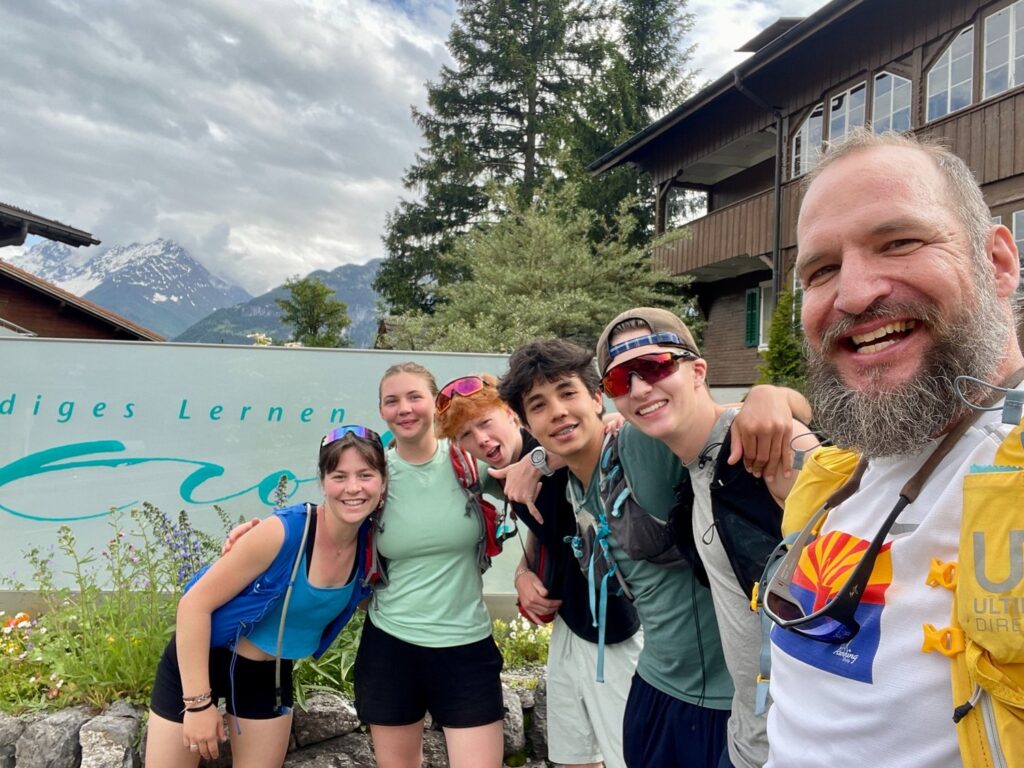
[{"x": 193, "y": 747}]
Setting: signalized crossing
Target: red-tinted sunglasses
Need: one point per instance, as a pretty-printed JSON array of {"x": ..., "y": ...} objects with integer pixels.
[
  {"x": 650, "y": 368},
  {"x": 464, "y": 386}
]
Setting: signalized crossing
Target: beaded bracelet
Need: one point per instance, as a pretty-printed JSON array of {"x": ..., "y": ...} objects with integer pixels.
[{"x": 197, "y": 699}]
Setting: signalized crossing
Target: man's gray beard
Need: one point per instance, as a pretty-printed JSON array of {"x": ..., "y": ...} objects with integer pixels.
[{"x": 900, "y": 420}]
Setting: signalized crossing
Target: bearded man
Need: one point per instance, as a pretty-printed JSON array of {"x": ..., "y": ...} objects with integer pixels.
[{"x": 907, "y": 285}]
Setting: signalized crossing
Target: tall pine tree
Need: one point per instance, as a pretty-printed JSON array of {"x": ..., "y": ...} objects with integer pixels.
[
  {"x": 644, "y": 77},
  {"x": 497, "y": 117},
  {"x": 539, "y": 88}
]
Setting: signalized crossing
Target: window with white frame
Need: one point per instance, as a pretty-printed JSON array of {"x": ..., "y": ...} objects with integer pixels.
[
  {"x": 807, "y": 142},
  {"x": 1017, "y": 219},
  {"x": 1018, "y": 229},
  {"x": 764, "y": 332},
  {"x": 758, "y": 321},
  {"x": 846, "y": 111},
  {"x": 798, "y": 297},
  {"x": 951, "y": 78},
  {"x": 890, "y": 105},
  {"x": 1004, "y": 49}
]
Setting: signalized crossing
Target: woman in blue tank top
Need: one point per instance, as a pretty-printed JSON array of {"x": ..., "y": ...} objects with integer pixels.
[{"x": 240, "y": 624}]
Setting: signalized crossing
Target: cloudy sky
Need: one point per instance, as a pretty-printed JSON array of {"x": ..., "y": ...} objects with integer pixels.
[{"x": 267, "y": 136}]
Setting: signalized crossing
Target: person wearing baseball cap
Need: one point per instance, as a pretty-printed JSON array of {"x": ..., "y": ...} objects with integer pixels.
[
  {"x": 652, "y": 370},
  {"x": 681, "y": 694}
]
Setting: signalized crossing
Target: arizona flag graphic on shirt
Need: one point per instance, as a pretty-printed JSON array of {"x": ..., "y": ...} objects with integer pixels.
[{"x": 824, "y": 567}]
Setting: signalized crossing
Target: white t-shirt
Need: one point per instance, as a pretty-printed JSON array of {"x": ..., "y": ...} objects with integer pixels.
[{"x": 878, "y": 700}]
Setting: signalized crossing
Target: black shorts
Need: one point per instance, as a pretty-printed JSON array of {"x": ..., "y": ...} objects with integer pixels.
[
  {"x": 254, "y": 685},
  {"x": 397, "y": 682}
]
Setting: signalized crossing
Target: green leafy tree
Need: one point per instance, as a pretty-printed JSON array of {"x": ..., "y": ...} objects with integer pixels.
[
  {"x": 644, "y": 76},
  {"x": 784, "y": 361},
  {"x": 317, "y": 318},
  {"x": 535, "y": 273},
  {"x": 498, "y": 115}
]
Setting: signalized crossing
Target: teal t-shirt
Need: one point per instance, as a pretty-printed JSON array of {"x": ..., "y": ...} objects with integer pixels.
[
  {"x": 435, "y": 594},
  {"x": 682, "y": 654}
]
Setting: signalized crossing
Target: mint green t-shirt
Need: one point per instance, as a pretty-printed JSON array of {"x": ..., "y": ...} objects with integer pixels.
[
  {"x": 682, "y": 653},
  {"x": 435, "y": 593}
]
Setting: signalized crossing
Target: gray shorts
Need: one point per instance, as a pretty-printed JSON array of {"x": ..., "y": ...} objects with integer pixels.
[{"x": 585, "y": 716}]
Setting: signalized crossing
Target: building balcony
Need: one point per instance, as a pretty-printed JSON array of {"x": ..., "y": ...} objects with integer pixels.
[{"x": 733, "y": 240}]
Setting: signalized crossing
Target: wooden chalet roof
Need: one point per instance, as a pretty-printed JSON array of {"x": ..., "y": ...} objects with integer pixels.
[
  {"x": 791, "y": 36},
  {"x": 12, "y": 218},
  {"x": 88, "y": 307}
]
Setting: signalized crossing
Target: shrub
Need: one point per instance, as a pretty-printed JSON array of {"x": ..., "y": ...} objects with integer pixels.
[
  {"x": 99, "y": 640},
  {"x": 522, "y": 644},
  {"x": 784, "y": 363}
]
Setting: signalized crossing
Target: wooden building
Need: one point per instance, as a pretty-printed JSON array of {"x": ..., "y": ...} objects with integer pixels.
[
  {"x": 952, "y": 69},
  {"x": 32, "y": 306}
]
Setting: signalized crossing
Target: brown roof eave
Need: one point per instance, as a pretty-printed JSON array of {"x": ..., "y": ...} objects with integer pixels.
[
  {"x": 51, "y": 290},
  {"x": 781, "y": 45},
  {"x": 48, "y": 228}
]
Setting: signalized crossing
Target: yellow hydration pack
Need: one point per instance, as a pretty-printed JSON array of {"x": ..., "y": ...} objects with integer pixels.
[{"x": 985, "y": 639}]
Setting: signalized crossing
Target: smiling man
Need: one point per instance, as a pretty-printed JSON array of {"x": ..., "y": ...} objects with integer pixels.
[
  {"x": 584, "y": 723},
  {"x": 681, "y": 694},
  {"x": 657, "y": 378},
  {"x": 907, "y": 285}
]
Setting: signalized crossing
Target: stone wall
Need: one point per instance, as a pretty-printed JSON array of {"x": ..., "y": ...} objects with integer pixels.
[{"x": 327, "y": 734}]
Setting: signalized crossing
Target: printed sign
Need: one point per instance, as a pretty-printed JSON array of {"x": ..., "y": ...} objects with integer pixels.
[{"x": 90, "y": 426}]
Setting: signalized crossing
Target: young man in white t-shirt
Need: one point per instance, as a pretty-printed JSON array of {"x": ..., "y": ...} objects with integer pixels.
[{"x": 907, "y": 285}]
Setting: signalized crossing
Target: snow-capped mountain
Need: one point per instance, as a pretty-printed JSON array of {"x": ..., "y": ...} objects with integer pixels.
[
  {"x": 158, "y": 285},
  {"x": 57, "y": 263}
]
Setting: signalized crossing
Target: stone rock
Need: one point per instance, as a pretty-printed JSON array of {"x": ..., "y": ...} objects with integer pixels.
[
  {"x": 435, "y": 750},
  {"x": 350, "y": 751},
  {"x": 512, "y": 728},
  {"x": 11, "y": 729},
  {"x": 526, "y": 698},
  {"x": 325, "y": 717},
  {"x": 123, "y": 708},
  {"x": 108, "y": 741},
  {"x": 538, "y": 735},
  {"x": 52, "y": 742}
]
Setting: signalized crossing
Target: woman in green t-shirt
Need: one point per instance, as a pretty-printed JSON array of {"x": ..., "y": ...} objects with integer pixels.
[{"x": 426, "y": 644}]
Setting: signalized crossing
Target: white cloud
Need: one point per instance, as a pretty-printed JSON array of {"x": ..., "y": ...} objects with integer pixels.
[
  {"x": 722, "y": 27},
  {"x": 267, "y": 136}
]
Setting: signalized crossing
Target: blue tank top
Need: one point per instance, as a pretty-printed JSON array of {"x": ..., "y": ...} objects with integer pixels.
[{"x": 311, "y": 609}]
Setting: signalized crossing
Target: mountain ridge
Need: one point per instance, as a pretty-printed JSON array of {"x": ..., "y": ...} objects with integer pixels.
[{"x": 158, "y": 285}]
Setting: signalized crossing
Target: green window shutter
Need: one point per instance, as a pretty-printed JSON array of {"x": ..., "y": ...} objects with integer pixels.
[{"x": 752, "y": 329}]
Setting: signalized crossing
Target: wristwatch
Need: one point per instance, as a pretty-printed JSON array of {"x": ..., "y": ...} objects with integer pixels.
[{"x": 539, "y": 460}]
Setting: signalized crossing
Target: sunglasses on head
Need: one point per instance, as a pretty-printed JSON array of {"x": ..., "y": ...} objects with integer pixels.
[
  {"x": 356, "y": 430},
  {"x": 651, "y": 368},
  {"x": 463, "y": 386}
]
